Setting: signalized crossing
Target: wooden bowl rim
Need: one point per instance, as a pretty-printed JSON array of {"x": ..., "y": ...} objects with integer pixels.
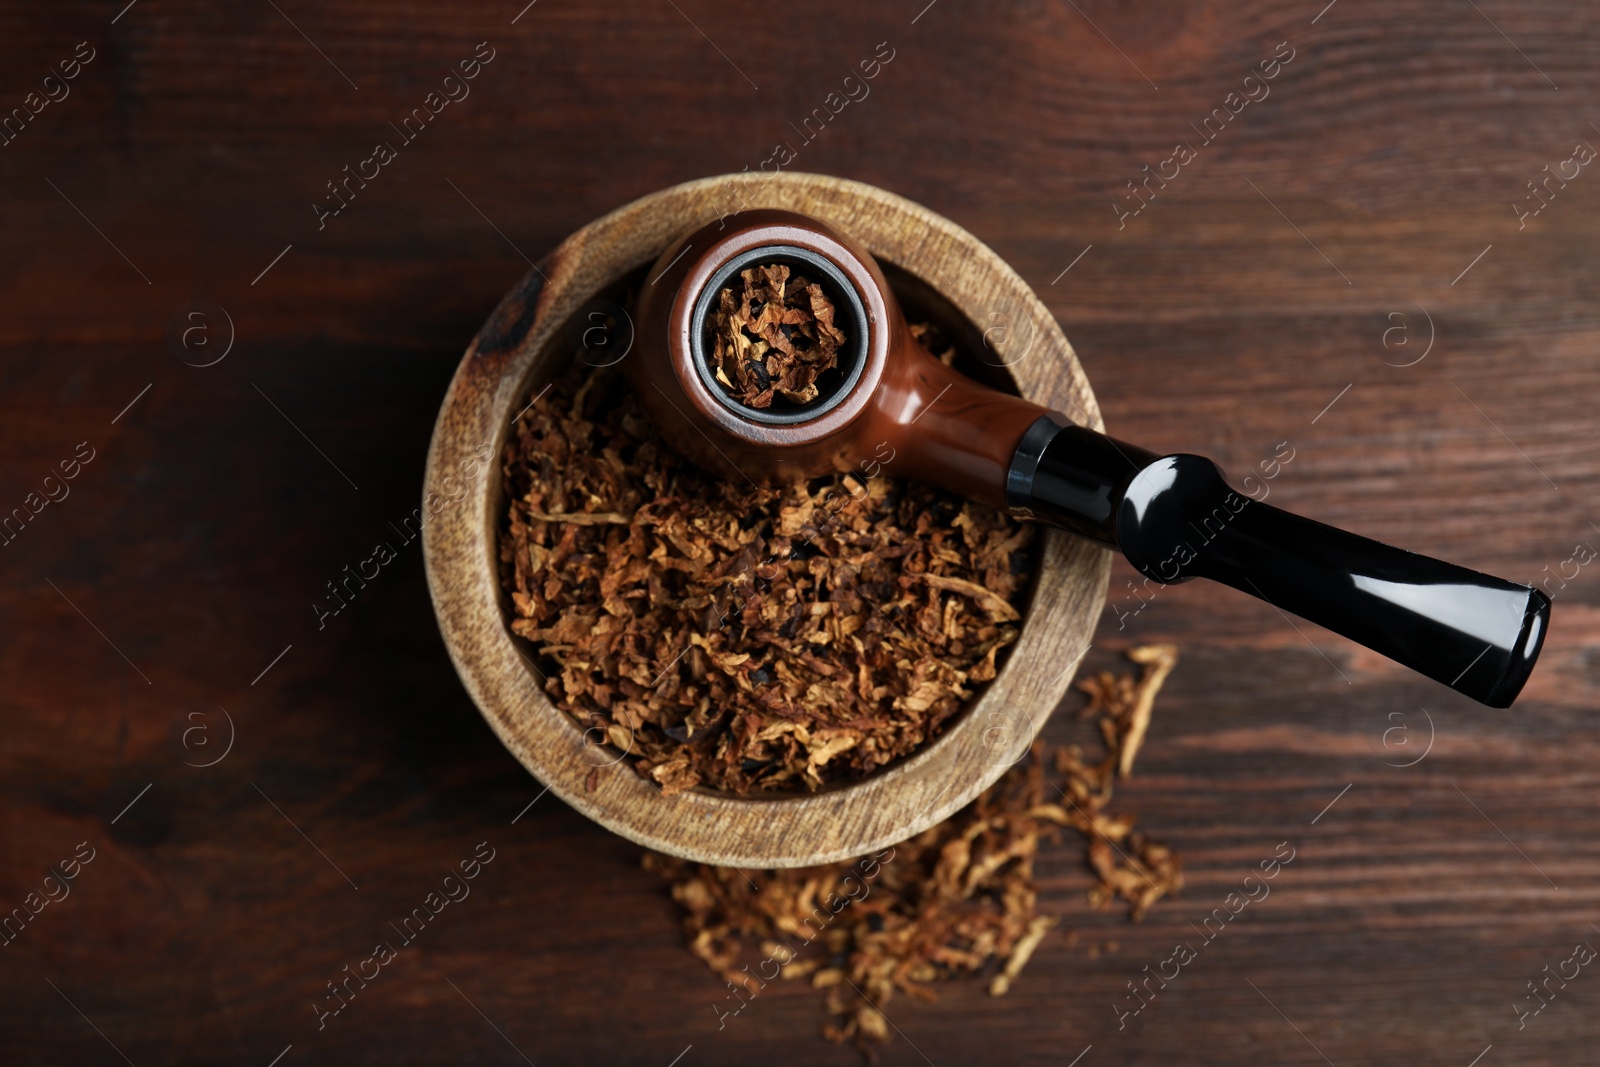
[{"x": 461, "y": 552}]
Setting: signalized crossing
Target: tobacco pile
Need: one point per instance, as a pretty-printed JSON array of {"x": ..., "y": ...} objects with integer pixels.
[
  {"x": 775, "y": 335},
  {"x": 744, "y": 638},
  {"x": 956, "y": 900}
]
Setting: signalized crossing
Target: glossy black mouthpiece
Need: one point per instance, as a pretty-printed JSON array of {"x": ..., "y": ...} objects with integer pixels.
[{"x": 1175, "y": 518}]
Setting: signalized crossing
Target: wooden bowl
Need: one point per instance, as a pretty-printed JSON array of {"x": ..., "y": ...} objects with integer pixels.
[{"x": 522, "y": 346}]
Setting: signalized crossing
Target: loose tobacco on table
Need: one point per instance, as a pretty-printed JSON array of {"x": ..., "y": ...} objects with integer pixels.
[{"x": 958, "y": 899}]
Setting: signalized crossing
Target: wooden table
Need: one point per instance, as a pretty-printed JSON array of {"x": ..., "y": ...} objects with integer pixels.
[{"x": 1341, "y": 268}]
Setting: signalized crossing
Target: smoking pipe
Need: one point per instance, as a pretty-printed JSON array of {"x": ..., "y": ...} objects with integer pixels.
[{"x": 1173, "y": 516}]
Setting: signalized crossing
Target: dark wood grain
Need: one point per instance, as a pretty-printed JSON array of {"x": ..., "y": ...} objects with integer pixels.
[{"x": 190, "y": 549}]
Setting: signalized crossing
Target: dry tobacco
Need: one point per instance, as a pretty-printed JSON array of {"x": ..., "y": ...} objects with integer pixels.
[
  {"x": 744, "y": 638},
  {"x": 957, "y": 899},
  {"x": 775, "y": 335}
]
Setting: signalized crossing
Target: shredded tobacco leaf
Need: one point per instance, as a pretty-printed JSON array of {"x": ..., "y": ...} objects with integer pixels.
[
  {"x": 958, "y": 899},
  {"x": 773, "y": 334},
  {"x": 743, "y": 638},
  {"x": 1130, "y": 865}
]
